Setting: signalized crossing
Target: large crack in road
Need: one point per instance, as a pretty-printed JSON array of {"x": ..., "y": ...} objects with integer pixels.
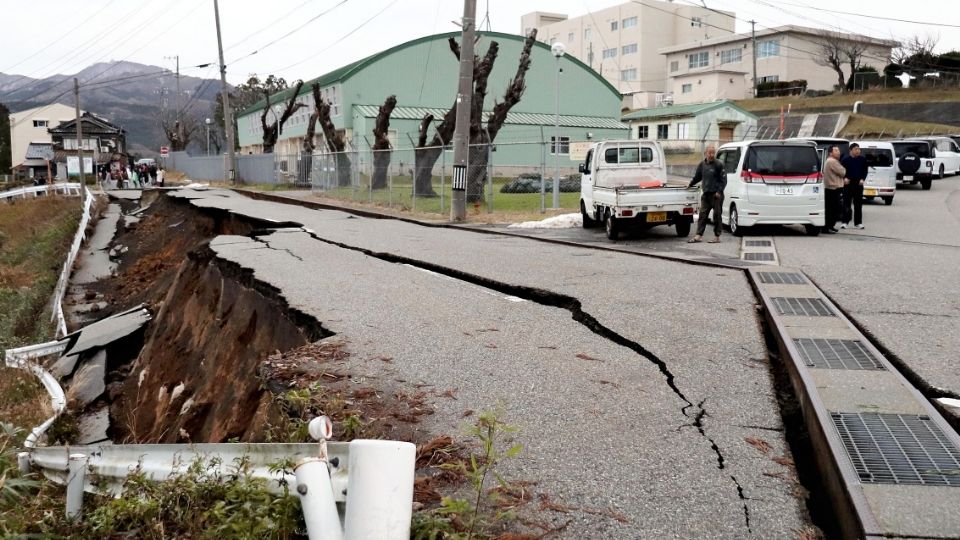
[{"x": 556, "y": 300}]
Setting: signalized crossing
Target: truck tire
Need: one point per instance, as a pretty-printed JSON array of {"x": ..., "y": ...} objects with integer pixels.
[
  {"x": 812, "y": 230},
  {"x": 588, "y": 222},
  {"x": 735, "y": 228},
  {"x": 887, "y": 200},
  {"x": 926, "y": 183},
  {"x": 683, "y": 227},
  {"x": 613, "y": 228},
  {"x": 941, "y": 174}
]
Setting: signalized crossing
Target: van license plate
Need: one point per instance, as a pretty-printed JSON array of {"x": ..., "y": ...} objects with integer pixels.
[
  {"x": 869, "y": 192},
  {"x": 787, "y": 190},
  {"x": 656, "y": 217}
]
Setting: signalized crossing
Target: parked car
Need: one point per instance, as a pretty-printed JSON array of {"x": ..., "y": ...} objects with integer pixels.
[
  {"x": 824, "y": 144},
  {"x": 773, "y": 183},
  {"x": 946, "y": 156},
  {"x": 623, "y": 184},
  {"x": 914, "y": 158},
  {"x": 881, "y": 170}
]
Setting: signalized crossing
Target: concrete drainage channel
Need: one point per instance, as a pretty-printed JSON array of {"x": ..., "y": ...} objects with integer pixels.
[{"x": 885, "y": 459}]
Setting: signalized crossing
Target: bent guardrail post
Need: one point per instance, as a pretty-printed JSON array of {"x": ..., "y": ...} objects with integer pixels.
[
  {"x": 315, "y": 489},
  {"x": 23, "y": 462},
  {"x": 380, "y": 489},
  {"x": 76, "y": 476}
]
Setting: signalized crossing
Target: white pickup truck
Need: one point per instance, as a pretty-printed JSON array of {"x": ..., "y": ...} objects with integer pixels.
[{"x": 624, "y": 185}]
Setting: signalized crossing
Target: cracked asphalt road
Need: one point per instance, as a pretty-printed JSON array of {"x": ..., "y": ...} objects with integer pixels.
[{"x": 602, "y": 431}]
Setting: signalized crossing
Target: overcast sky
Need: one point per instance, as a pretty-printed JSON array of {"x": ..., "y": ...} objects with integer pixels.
[{"x": 44, "y": 37}]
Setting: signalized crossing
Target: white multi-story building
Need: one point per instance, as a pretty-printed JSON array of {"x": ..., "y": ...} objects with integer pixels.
[
  {"x": 722, "y": 67},
  {"x": 31, "y": 125},
  {"x": 623, "y": 42}
]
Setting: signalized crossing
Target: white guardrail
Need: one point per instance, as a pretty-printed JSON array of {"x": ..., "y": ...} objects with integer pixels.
[
  {"x": 64, "y": 281},
  {"x": 65, "y": 188}
]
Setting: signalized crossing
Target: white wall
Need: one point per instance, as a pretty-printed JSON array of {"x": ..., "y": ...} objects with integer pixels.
[{"x": 23, "y": 132}]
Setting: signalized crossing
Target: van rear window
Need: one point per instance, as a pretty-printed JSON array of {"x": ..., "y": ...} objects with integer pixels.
[
  {"x": 921, "y": 149},
  {"x": 878, "y": 157},
  {"x": 782, "y": 160},
  {"x": 628, "y": 154}
]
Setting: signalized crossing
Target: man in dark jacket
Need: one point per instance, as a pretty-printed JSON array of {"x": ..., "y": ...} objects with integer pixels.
[
  {"x": 714, "y": 178},
  {"x": 856, "y": 166}
]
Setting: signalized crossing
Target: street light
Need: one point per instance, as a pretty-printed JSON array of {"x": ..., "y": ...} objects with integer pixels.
[
  {"x": 208, "y": 121},
  {"x": 557, "y": 49}
]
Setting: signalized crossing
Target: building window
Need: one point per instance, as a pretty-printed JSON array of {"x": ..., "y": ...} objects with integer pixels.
[
  {"x": 609, "y": 53},
  {"x": 662, "y": 131},
  {"x": 629, "y": 22},
  {"x": 686, "y": 89},
  {"x": 587, "y": 34},
  {"x": 699, "y": 60},
  {"x": 683, "y": 131},
  {"x": 766, "y": 49},
  {"x": 40, "y": 123},
  {"x": 731, "y": 55},
  {"x": 613, "y": 26},
  {"x": 643, "y": 132},
  {"x": 628, "y": 74},
  {"x": 674, "y": 66},
  {"x": 570, "y": 37},
  {"x": 564, "y": 145},
  {"x": 696, "y": 22},
  {"x": 770, "y": 78},
  {"x": 628, "y": 49}
]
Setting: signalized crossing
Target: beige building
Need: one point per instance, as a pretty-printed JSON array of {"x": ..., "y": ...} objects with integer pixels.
[
  {"x": 31, "y": 125},
  {"x": 722, "y": 67},
  {"x": 623, "y": 42}
]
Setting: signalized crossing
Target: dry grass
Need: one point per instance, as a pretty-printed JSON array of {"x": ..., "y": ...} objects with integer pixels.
[
  {"x": 895, "y": 95},
  {"x": 862, "y": 126}
]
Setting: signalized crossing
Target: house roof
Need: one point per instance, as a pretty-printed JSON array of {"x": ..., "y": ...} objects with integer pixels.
[
  {"x": 785, "y": 29},
  {"x": 91, "y": 125},
  {"x": 40, "y": 150},
  {"x": 345, "y": 72},
  {"x": 677, "y": 111},
  {"x": 517, "y": 118}
]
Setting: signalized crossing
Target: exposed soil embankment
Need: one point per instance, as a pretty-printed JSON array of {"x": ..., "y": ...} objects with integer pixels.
[{"x": 195, "y": 378}]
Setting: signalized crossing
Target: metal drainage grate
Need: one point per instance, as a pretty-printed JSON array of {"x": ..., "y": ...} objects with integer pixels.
[
  {"x": 757, "y": 243},
  {"x": 758, "y": 256},
  {"x": 781, "y": 278},
  {"x": 836, "y": 354},
  {"x": 805, "y": 307},
  {"x": 898, "y": 449}
]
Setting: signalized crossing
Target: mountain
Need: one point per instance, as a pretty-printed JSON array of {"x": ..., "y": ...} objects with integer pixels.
[{"x": 135, "y": 102}]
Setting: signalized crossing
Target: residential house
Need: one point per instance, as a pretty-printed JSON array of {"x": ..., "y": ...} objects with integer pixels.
[
  {"x": 31, "y": 126},
  {"x": 688, "y": 128},
  {"x": 623, "y": 42},
  {"x": 722, "y": 67},
  {"x": 103, "y": 143}
]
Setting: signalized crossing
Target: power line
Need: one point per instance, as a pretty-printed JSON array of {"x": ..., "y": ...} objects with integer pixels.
[
  {"x": 878, "y": 17},
  {"x": 291, "y": 32},
  {"x": 262, "y": 29}
]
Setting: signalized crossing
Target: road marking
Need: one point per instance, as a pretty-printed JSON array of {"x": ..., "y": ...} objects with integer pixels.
[{"x": 509, "y": 298}]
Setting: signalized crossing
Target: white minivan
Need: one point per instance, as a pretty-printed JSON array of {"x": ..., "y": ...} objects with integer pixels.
[
  {"x": 946, "y": 158},
  {"x": 881, "y": 170},
  {"x": 772, "y": 183}
]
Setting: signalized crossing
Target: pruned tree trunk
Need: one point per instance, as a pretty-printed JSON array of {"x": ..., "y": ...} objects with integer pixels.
[
  {"x": 272, "y": 131},
  {"x": 334, "y": 137},
  {"x": 481, "y": 138},
  {"x": 427, "y": 153},
  {"x": 381, "y": 144}
]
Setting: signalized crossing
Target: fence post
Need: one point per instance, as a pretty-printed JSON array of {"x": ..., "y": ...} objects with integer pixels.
[
  {"x": 543, "y": 171},
  {"x": 380, "y": 490},
  {"x": 76, "y": 475},
  {"x": 443, "y": 171},
  {"x": 316, "y": 499},
  {"x": 23, "y": 462},
  {"x": 490, "y": 173}
]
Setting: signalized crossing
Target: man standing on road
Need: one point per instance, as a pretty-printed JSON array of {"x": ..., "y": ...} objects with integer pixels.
[
  {"x": 833, "y": 176},
  {"x": 714, "y": 178},
  {"x": 856, "y": 166}
]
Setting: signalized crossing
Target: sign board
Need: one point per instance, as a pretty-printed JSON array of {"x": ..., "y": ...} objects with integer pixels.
[
  {"x": 164, "y": 151},
  {"x": 578, "y": 150},
  {"x": 73, "y": 165}
]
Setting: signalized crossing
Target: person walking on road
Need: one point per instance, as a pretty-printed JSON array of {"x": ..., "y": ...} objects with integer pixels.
[
  {"x": 833, "y": 176},
  {"x": 714, "y": 178},
  {"x": 856, "y": 166}
]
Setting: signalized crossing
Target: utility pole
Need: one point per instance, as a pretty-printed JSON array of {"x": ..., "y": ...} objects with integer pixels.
[
  {"x": 225, "y": 96},
  {"x": 753, "y": 37},
  {"x": 177, "y": 58},
  {"x": 461, "y": 134},
  {"x": 76, "y": 105}
]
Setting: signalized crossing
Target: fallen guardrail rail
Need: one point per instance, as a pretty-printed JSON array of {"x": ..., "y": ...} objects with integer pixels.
[
  {"x": 66, "y": 188},
  {"x": 61, "y": 289},
  {"x": 26, "y": 358}
]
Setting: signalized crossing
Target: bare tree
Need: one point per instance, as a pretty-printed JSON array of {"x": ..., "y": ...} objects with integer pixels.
[
  {"x": 306, "y": 161},
  {"x": 381, "y": 144},
  {"x": 829, "y": 52},
  {"x": 273, "y": 130},
  {"x": 915, "y": 49},
  {"x": 334, "y": 138},
  {"x": 180, "y": 133},
  {"x": 853, "y": 51}
]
